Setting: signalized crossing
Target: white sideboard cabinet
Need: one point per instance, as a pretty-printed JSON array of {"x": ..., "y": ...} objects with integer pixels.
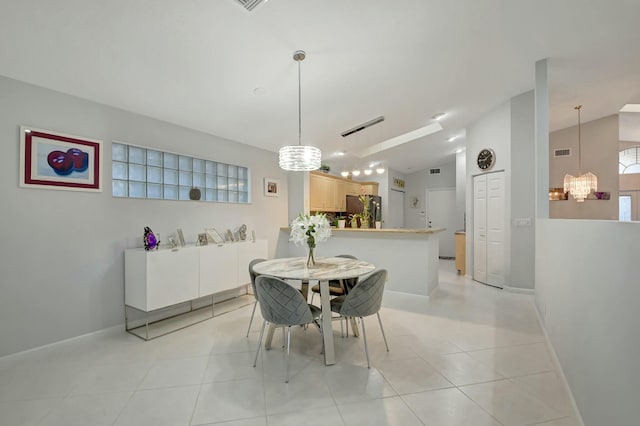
[{"x": 164, "y": 278}]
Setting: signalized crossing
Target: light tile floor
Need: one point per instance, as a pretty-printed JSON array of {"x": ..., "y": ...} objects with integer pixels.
[{"x": 474, "y": 356}]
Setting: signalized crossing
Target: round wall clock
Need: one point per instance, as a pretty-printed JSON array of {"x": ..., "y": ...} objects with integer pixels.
[{"x": 486, "y": 159}]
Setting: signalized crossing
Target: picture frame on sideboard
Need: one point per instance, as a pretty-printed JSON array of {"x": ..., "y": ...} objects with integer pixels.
[{"x": 214, "y": 236}]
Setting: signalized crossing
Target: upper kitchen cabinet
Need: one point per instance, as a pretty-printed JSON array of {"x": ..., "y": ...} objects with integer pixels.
[
  {"x": 328, "y": 193},
  {"x": 322, "y": 193},
  {"x": 370, "y": 188}
]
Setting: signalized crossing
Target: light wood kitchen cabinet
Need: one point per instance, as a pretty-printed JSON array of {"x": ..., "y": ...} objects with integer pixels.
[
  {"x": 322, "y": 193},
  {"x": 328, "y": 193},
  {"x": 340, "y": 200},
  {"x": 370, "y": 188}
]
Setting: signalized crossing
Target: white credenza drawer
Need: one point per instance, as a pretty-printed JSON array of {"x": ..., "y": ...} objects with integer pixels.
[
  {"x": 156, "y": 279},
  {"x": 216, "y": 268}
]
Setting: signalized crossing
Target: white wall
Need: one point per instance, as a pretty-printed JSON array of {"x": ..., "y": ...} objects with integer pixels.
[
  {"x": 510, "y": 131},
  {"x": 417, "y": 185},
  {"x": 587, "y": 294},
  {"x": 461, "y": 189},
  {"x": 522, "y": 189},
  {"x": 599, "y": 149},
  {"x": 62, "y": 257},
  {"x": 491, "y": 131}
]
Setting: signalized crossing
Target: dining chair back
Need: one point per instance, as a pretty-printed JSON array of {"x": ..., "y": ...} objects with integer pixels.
[
  {"x": 253, "y": 275},
  {"x": 363, "y": 300},
  {"x": 283, "y": 305}
]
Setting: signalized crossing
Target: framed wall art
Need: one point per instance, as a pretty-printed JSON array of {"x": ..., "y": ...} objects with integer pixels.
[
  {"x": 54, "y": 160},
  {"x": 271, "y": 187}
]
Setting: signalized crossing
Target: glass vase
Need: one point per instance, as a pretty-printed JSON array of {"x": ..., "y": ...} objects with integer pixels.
[{"x": 311, "y": 261}]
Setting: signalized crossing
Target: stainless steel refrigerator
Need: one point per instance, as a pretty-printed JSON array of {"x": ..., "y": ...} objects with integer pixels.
[{"x": 375, "y": 207}]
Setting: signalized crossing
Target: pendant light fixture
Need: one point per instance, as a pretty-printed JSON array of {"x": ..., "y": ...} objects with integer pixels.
[
  {"x": 299, "y": 158},
  {"x": 581, "y": 186}
]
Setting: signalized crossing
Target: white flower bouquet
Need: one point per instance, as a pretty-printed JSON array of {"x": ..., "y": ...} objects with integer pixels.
[{"x": 309, "y": 230}]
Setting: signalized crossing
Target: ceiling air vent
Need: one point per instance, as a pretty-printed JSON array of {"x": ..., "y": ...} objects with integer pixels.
[
  {"x": 249, "y": 4},
  {"x": 434, "y": 171},
  {"x": 362, "y": 126},
  {"x": 564, "y": 152}
]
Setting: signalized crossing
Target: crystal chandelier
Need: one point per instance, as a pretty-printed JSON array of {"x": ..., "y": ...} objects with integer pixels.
[
  {"x": 581, "y": 186},
  {"x": 299, "y": 158}
]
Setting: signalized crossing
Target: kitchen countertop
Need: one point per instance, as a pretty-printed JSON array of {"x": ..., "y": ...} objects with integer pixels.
[
  {"x": 384, "y": 231},
  {"x": 460, "y": 232}
]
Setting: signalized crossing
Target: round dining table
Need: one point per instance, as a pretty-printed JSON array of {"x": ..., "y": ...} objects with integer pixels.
[{"x": 325, "y": 269}]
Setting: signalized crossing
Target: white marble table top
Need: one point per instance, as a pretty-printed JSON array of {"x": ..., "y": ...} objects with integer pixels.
[{"x": 327, "y": 268}]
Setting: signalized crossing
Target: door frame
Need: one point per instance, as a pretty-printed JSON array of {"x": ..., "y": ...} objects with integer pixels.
[{"x": 470, "y": 232}]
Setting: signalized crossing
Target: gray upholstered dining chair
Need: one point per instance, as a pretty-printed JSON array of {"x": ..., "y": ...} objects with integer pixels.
[
  {"x": 253, "y": 275},
  {"x": 363, "y": 300},
  {"x": 337, "y": 287},
  {"x": 282, "y": 305}
]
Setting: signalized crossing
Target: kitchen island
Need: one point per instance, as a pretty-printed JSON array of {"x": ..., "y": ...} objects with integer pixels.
[{"x": 409, "y": 255}]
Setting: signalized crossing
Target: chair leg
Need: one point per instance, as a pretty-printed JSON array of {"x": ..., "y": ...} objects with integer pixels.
[
  {"x": 366, "y": 348},
  {"x": 288, "y": 351},
  {"x": 382, "y": 329},
  {"x": 255, "y": 361},
  {"x": 252, "y": 314},
  {"x": 341, "y": 328},
  {"x": 346, "y": 323},
  {"x": 283, "y": 338}
]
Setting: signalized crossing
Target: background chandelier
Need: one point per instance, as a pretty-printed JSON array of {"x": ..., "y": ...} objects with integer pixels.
[
  {"x": 581, "y": 186},
  {"x": 299, "y": 158}
]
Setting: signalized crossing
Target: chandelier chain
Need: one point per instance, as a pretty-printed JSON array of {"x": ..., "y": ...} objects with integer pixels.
[
  {"x": 579, "y": 107},
  {"x": 300, "y": 105}
]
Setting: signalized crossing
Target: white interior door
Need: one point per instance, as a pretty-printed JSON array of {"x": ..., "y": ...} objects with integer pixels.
[
  {"x": 395, "y": 215},
  {"x": 495, "y": 229},
  {"x": 441, "y": 206},
  {"x": 480, "y": 228},
  {"x": 489, "y": 229}
]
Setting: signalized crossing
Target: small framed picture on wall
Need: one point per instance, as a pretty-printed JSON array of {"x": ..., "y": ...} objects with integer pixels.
[{"x": 271, "y": 187}]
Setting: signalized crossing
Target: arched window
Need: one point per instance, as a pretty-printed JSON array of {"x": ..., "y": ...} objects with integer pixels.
[{"x": 629, "y": 161}]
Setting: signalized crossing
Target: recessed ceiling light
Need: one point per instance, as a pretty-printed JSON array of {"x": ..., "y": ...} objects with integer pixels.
[
  {"x": 368, "y": 171},
  {"x": 339, "y": 153},
  {"x": 458, "y": 151},
  {"x": 356, "y": 172},
  {"x": 452, "y": 138},
  {"x": 372, "y": 165},
  {"x": 344, "y": 173},
  {"x": 439, "y": 116},
  {"x": 380, "y": 170}
]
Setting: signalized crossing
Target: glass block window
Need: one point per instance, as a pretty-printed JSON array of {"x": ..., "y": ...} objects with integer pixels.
[{"x": 146, "y": 173}]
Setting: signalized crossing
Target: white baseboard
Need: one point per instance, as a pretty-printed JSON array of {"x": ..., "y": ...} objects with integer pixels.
[
  {"x": 405, "y": 301},
  {"x": 558, "y": 367},
  {"x": 530, "y": 291},
  {"x": 115, "y": 329}
]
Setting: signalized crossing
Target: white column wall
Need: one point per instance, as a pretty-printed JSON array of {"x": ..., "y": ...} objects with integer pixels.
[{"x": 587, "y": 294}]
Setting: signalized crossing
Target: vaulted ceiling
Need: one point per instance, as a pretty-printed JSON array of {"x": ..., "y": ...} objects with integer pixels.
[{"x": 213, "y": 66}]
